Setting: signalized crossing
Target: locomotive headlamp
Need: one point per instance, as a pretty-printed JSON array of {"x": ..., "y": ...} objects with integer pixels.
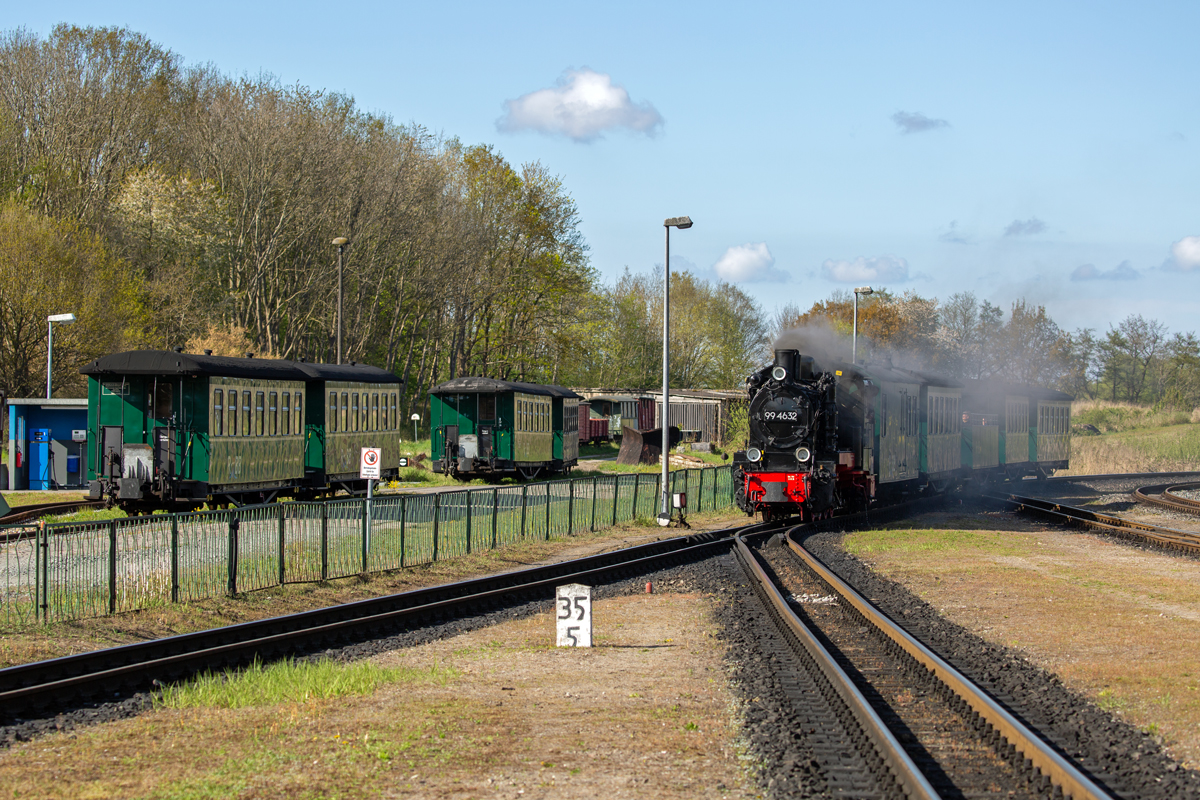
[
  {"x": 779, "y": 373},
  {"x": 803, "y": 454},
  {"x": 754, "y": 454}
]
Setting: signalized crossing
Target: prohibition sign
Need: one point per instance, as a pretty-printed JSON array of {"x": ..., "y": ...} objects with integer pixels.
[{"x": 369, "y": 463}]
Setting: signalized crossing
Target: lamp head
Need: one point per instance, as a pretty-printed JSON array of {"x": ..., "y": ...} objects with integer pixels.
[
  {"x": 683, "y": 223},
  {"x": 864, "y": 290},
  {"x": 341, "y": 241},
  {"x": 415, "y": 417},
  {"x": 66, "y": 318}
]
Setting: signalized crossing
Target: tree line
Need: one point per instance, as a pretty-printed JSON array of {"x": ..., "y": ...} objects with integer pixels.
[{"x": 1137, "y": 360}]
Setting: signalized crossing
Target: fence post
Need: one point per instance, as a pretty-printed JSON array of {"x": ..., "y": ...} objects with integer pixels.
[
  {"x": 524, "y": 505},
  {"x": 616, "y": 494},
  {"x": 637, "y": 478},
  {"x": 495, "y": 513},
  {"x": 112, "y": 569},
  {"x": 174, "y": 558},
  {"x": 234, "y": 524},
  {"x": 437, "y": 512},
  {"x": 467, "y": 494},
  {"x": 366, "y": 534},
  {"x": 732, "y": 488},
  {"x": 594, "y": 479},
  {"x": 571, "y": 507},
  {"x": 547, "y": 511},
  {"x": 403, "y": 520},
  {"x": 324, "y": 541},
  {"x": 282, "y": 551}
]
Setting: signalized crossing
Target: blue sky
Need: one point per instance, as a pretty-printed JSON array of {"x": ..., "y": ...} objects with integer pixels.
[{"x": 1045, "y": 151}]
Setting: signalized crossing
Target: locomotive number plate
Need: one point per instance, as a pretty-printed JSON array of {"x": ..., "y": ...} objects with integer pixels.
[{"x": 781, "y": 415}]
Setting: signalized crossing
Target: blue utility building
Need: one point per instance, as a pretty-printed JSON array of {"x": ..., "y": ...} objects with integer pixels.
[{"x": 47, "y": 444}]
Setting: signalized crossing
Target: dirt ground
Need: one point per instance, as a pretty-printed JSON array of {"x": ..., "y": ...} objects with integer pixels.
[
  {"x": 646, "y": 713},
  {"x": 1117, "y": 623}
]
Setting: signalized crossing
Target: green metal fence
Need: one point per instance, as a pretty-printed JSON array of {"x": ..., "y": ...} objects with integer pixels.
[{"x": 75, "y": 570}]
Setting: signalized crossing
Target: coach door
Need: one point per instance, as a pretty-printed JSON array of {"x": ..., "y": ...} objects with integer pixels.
[
  {"x": 111, "y": 445},
  {"x": 450, "y": 438}
]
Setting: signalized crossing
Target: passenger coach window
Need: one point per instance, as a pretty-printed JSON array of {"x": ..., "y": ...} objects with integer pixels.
[
  {"x": 258, "y": 414},
  {"x": 298, "y": 427},
  {"x": 233, "y": 401},
  {"x": 218, "y": 412},
  {"x": 344, "y": 411},
  {"x": 163, "y": 393},
  {"x": 487, "y": 406},
  {"x": 375, "y": 411},
  {"x": 245, "y": 413},
  {"x": 273, "y": 416},
  {"x": 333, "y": 411},
  {"x": 286, "y": 422},
  {"x": 354, "y": 411}
]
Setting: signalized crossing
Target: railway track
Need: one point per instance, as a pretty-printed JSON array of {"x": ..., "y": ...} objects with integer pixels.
[
  {"x": 19, "y": 514},
  {"x": 1184, "y": 541},
  {"x": 1163, "y": 495},
  {"x": 893, "y": 719},
  {"x": 42, "y": 688}
]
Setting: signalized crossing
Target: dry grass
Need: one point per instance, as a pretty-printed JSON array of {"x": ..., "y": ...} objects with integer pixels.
[
  {"x": 1170, "y": 449},
  {"x": 1117, "y": 624},
  {"x": 1115, "y": 417}
]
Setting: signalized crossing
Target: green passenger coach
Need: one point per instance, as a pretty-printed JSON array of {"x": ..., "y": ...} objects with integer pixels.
[
  {"x": 483, "y": 427},
  {"x": 175, "y": 430}
]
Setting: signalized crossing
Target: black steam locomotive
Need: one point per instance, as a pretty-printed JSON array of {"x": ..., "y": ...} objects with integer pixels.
[{"x": 834, "y": 436}]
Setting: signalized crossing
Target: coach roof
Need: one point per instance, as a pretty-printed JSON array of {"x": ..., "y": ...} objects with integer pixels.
[
  {"x": 468, "y": 385},
  {"x": 167, "y": 362}
]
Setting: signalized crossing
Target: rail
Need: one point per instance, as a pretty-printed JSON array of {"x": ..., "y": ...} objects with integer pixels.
[
  {"x": 1062, "y": 773},
  {"x": 1163, "y": 495},
  {"x": 64, "y": 571},
  {"x": 915, "y": 785},
  {"x": 1140, "y": 531}
]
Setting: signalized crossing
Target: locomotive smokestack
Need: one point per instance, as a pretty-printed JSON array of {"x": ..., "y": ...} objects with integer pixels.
[{"x": 789, "y": 360}]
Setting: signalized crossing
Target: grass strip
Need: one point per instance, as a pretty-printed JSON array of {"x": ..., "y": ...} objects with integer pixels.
[{"x": 292, "y": 681}]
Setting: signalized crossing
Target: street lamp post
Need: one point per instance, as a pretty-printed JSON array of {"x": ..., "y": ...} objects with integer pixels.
[
  {"x": 415, "y": 419},
  {"x": 340, "y": 242},
  {"x": 65, "y": 319},
  {"x": 854, "y": 346},
  {"x": 664, "y": 516}
]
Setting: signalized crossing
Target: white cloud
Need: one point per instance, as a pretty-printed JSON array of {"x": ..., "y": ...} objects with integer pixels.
[
  {"x": 582, "y": 105},
  {"x": 886, "y": 269},
  {"x": 1185, "y": 255},
  {"x": 748, "y": 263}
]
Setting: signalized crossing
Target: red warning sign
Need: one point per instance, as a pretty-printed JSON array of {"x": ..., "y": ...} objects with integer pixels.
[{"x": 369, "y": 464}]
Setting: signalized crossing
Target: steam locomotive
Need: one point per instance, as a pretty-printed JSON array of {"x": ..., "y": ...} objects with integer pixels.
[{"x": 832, "y": 437}]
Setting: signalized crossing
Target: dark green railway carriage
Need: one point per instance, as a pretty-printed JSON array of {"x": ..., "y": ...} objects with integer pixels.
[
  {"x": 1015, "y": 430},
  {"x": 483, "y": 427},
  {"x": 174, "y": 430},
  {"x": 941, "y": 428}
]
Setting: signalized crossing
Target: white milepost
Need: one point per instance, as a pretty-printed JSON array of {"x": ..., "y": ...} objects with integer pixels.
[{"x": 573, "y": 608}]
